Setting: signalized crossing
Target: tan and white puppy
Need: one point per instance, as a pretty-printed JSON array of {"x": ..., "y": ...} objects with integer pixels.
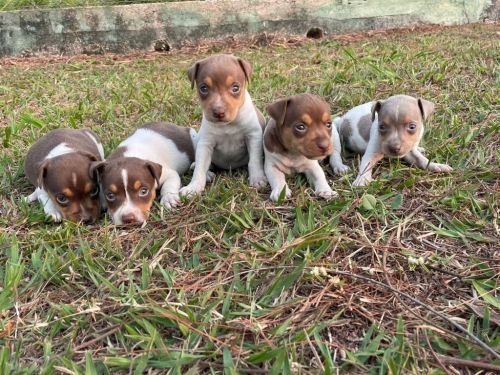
[
  {"x": 385, "y": 128},
  {"x": 231, "y": 128},
  {"x": 59, "y": 165},
  {"x": 295, "y": 138},
  {"x": 152, "y": 158}
]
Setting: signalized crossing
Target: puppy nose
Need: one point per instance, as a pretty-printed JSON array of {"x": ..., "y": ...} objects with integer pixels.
[
  {"x": 395, "y": 149},
  {"x": 324, "y": 145},
  {"x": 129, "y": 218},
  {"x": 219, "y": 113},
  {"x": 87, "y": 219}
]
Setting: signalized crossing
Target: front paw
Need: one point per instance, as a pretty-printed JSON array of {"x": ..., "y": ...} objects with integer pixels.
[
  {"x": 439, "y": 168},
  {"x": 276, "y": 193},
  {"x": 362, "y": 181},
  {"x": 170, "y": 200},
  {"x": 56, "y": 216},
  {"x": 326, "y": 193},
  {"x": 340, "y": 169},
  {"x": 210, "y": 176},
  {"x": 191, "y": 189},
  {"x": 257, "y": 180}
]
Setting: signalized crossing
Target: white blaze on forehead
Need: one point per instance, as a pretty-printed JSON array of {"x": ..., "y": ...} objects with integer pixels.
[
  {"x": 124, "y": 174},
  {"x": 60, "y": 149},
  {"x": 73, "y": 178},
  {"x": 128, "y": 206}
]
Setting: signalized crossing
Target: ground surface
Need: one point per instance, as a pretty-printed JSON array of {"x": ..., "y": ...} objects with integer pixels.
[{"x": 232, "y": 283}]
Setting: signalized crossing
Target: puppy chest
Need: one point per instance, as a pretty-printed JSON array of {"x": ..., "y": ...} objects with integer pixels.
[{"x": 230, "y": 151}]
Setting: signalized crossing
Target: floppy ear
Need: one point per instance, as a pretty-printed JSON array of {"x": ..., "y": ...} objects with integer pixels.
[
  {"x": 96, "y": 168},
  {"x": 247, "y": 68},
  {"x": 426, "y": 108},
  {"x": 193, "y": 73},
  {"x": 376, "y": 108},
  {"x": 155, "y": 170},
  {"x": 42, "y": 173},
  {"x": 277, "y": 110}
]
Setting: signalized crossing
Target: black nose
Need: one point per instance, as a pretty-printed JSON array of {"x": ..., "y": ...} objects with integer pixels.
[
  {"x": 219, "y": 114},
  {"x": 129, "y": 218},
  {"x": 87, "y": 219}
]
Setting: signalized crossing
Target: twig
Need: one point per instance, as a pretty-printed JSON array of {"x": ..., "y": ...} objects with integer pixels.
[
  {"x": 98, "y": 338},
  {"x": 436, "y": 357},
  {"x": 420, "y": 303},
  {"x": 468, "y": 363}
]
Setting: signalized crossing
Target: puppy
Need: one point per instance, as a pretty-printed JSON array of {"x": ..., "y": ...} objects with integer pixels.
[
  {"x": 59, "y": 166},
  {"x": 152, "y": 158},
  {"x": 392, "y": 128},
  {"x": 231, "y": 128},
  {"x": 295, "y": 138}
]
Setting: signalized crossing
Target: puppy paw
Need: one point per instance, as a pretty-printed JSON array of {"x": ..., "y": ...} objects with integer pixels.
[
  {"x": 210, "y": 176},
  {"x": 326, "y": 194},
  {"x": 362, "y": 181},
  {"x": 170, "y": 200},
  {"x": 439, "y": 168},
  {"x": 275, "y": 194},
  {"x": 56, "y": 216},
  {"x": 421, "y": 150},
  {"x": 32, "y": 197},
  {"x": 191, "y": 189},
  {"x": 340, "y": 169},
  {"x": 257, "y": 181}
]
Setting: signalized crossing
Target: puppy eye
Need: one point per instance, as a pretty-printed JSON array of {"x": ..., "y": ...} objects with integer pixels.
[
  {"x": 143, "y": 192},
  {"x": 329, "y": 124},
  {"x": 412, "y": 126},
  {"x": 94, "y": 192},
  {"x": 110, "y": 197},
  {"x": 62, "y": 199},
  {"x": 301, "y": 128},
  {"x": 235, "y": 88},
  {"x": 203, "y": 89},
  {"x": 381, "y": 127}
]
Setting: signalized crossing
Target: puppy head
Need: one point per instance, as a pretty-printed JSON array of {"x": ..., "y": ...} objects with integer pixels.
[
  {"x": 129, "y": 187},
  {"x": 221, "y": 81},
  {"x": 304, "y": 124},
  {"x": 70, "y": 184},
  {"x": 400, "y": 122}
]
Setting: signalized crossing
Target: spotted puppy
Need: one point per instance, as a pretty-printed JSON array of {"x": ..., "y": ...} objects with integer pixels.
[
  {"x": 152, "y": 158},
  {"x": 231, "y": 128},
  {"x": 295, "y": 138},
  {"x": 59, "y": 165},
  {"x": 391, "y": 128}
]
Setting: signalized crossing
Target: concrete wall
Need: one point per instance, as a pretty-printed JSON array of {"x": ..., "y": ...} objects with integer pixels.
[{"x": 163, "y": 25}]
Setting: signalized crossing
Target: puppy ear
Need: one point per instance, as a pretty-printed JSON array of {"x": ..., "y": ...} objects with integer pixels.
[
  {"x": 42, "y": 173},
  {"x": 426, "y": 108},
  {"x": 277, "y": 110},
  {"x": 96, "y": 168},
  {"x": 247, "y": 68},
  {"x": 193, "y": 73},
  {"x": 155, "y": 170},
  {"x": 376, "y": 108}
]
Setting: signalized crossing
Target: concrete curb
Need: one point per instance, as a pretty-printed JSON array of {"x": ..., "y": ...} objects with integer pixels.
[{"x": 162, "y": 26}]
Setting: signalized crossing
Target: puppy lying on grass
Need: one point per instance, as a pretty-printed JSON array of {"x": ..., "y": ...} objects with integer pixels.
[
  {"x": 295, "y": 138},
  {"x": 385, "y": 128}
]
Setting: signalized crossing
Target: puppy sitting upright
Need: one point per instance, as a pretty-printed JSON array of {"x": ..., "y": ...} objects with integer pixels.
[
  {"x": 153, "y": 157},
  {"x": 231, "y": 128},
  {"x": 392, "y": 128},
  {"x": 295, "y": 138},
  {"x": 59, "y": 166}
]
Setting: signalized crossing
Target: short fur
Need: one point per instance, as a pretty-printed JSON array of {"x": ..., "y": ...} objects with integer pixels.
[
  {"x": 231, "y": 129},
  {"x": 295, "y": 138},
  {"x": 58, "y": 165},
  {"x": 385, "y": 128},
  {"x": 153, "y": 157}
]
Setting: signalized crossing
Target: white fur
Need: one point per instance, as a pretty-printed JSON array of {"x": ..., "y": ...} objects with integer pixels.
[
  {"x": 128, "y": 206},
  {"x": 97, "y": 143},
  {"x": 336, "y": 163},
  {"x": 223, "y": 144},
  {"x": 60, "y": 149}
]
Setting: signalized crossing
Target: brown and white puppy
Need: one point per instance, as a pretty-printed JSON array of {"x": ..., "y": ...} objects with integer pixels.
[
  {"x": 59, "y": 166},
  {"x": 295, "y": 138},
  {"x": 152, "y": 158},
  {"x": 391, "y": 128},
  {"x": 231, "y": 128}
]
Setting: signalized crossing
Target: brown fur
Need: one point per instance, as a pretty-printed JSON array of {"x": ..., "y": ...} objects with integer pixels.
[
  {"x": 282, "y": 135},
  {"x": 67, "y": 175},
  {"x": 219, "y": 73},
  {"x": 177, "y": 134}
]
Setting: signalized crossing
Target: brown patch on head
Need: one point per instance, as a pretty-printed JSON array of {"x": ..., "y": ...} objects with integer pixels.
[
  {"x": 177, "y": 134},
  {"x": 400, "y": 123},
  {"x": 129, "y": 186},
  {"x": 221, "y": 81},
  {"x": 300, "y": 126},
  {"x": 364, "y": 126},
  {"x": 77, "y": 203}
]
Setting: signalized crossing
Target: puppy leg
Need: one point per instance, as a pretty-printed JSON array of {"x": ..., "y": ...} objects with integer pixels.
[
  {"x": 210, "y": 174},
  {"x": 416, "y": 158},
  {"x": 203, "y": 159},
  {"x": 49, "y": 207},
  {"x": 256, "y": 175},
  {"x": 277, "y": 181},
  {"x": 338, "y": 167},
  {"x": 369, "y": 160},
  {"x": 170, "y": 189},
  {"x": 316, "y": 177},
  {"x": 33, "y": 196}
]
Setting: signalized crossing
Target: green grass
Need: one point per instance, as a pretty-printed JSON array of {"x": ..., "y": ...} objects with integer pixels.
[{"x": 231, "y": 283}]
